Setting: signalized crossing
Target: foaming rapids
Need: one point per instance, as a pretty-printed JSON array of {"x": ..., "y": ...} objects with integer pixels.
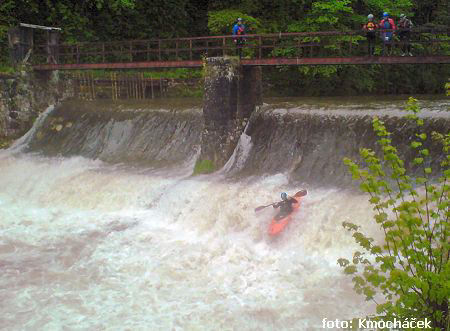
[
  {"x": 103, "y": 225},
  {"x": 99, "y": 246}
]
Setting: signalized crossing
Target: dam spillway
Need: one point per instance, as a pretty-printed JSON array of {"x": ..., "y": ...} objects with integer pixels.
[{"x": 103, "y": 224}]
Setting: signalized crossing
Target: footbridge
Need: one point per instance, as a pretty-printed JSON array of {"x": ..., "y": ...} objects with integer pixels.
[{"x": 303, "y": 48}]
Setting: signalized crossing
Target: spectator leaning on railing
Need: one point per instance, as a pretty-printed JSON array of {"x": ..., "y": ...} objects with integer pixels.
[
  {"x": 387, "y": 27},
  {"x": 238, "y": 30},
  {"x": 370, "y": 27},
  {"x": 404, "y": 27}
]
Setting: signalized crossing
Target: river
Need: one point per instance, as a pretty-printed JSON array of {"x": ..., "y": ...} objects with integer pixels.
[{"x": 91, "y": 240}]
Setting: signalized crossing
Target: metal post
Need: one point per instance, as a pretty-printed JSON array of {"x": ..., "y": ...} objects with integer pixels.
[
  {"x": 159, "y": 50},
  {"x": 223, "y": 46},
  {"x": 260, "y": 47},
  {"x": 151, "y": 84},
  {"x": 131, "y": 50}
]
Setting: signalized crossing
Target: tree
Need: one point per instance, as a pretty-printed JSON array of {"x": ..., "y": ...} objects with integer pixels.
[
  {"x": 411, "y": 269},
  {"x": 222, "y": 21}
]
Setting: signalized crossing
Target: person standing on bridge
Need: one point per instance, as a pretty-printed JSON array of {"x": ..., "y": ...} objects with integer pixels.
[
  {"x": 387, "y": 25},
  {"x": 404, "y": 27},
  {"x": 238, "y": 30},
  {"x": 370, "y": 27}
]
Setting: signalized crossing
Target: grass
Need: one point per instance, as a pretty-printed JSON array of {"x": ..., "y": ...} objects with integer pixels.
[
  {"x": 6, "y": 69},
  {"x": 179, "y": 73}
]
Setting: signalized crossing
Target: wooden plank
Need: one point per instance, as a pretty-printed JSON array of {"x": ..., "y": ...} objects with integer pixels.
[{"x": 271, "y": 61}]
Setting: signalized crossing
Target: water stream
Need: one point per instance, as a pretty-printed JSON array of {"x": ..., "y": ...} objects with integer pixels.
[{"x": 102, "y": 227}]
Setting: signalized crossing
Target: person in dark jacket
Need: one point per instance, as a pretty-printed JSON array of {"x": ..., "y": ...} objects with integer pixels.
[
  {"x": 370, "y": 27},
  {"x": 404, "y": 27},
  {"x": 238, "y": 30},
  {"x": 285, "y": 205}
]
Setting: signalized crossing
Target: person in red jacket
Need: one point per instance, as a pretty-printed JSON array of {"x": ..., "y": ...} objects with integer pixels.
[
  {"x": 387, "y": 27},
  {"x": 370, "y": 27}
]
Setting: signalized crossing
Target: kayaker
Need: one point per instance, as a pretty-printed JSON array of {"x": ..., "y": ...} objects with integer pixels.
[{"x": 285, "y": 205}]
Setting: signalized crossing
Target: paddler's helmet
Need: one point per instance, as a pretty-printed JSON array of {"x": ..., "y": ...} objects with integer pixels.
[
  {"x": 370, "y": 17},
  {"x": 284, "y": 196}
]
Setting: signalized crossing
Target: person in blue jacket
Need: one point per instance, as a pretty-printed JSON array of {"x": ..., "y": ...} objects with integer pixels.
[{"x": 238, "y": 30}]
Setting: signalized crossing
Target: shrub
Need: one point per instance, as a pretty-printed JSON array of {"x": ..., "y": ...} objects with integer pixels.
[
  {"x": 222, "y": 21},
  {"x": 411, "y": 269}
]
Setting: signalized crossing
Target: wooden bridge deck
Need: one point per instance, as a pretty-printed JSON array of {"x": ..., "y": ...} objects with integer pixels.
[{"x": 355, "y": 60}]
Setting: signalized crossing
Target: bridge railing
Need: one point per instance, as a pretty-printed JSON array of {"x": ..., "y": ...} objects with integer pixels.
[{"x": 288, "y": 45}]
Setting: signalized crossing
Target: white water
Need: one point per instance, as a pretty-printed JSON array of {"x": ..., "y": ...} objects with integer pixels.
[
  {"x": 89, "y": 246},
  {"x": 240, "y": 154}
]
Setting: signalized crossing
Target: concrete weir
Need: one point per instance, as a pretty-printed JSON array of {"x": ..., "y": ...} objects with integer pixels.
[{"x": 232, "y": 93}]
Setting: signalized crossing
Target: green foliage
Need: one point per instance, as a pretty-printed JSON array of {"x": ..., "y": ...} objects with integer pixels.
[
  {"x": 394, "y": 8},
  {"x": 221, "y": 22},
  {"x": 178, "y": 73},
  {"x": 411, "y": 269},
  {"x": 203, "y": 167},
  {"x": 101, "y": 20},
  {"x": 6, "y": 69}
]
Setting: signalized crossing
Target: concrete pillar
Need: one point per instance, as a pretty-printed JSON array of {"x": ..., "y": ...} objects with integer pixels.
[
  {"x": 232, "y": 92},
  {"x": 249, "y": 90}
]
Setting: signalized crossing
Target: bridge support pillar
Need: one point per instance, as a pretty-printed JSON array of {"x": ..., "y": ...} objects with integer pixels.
[{"x": 232, "y": 92}]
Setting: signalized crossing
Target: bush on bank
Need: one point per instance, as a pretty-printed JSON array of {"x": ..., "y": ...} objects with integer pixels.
[{"x": 410, "y": 270}]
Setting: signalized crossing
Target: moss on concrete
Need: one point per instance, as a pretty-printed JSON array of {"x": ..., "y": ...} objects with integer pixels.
[
  {"x": 5, "y": 142},
  {"x": 204, "y": 167}
]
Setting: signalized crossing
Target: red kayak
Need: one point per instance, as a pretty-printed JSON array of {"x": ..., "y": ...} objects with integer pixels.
[{"x": 279, "y": 222}]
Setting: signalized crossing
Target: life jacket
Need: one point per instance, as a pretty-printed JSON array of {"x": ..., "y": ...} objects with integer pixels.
[
  {"x": 370, "y": 26},
  {"x": 240, "y": 30},
  {"x": 388, "y": 24}
]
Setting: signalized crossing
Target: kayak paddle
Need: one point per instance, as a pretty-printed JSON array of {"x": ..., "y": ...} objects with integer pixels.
[
  {"x": 298, "y": 194},
  {"x": 301, "y": 193},
  {"x": 262, "y": 207}
]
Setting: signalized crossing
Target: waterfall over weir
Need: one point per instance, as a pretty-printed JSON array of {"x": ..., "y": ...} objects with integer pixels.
[
  {"x": 103, "y": 227},
  {"x": 307, "y": 143}
]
